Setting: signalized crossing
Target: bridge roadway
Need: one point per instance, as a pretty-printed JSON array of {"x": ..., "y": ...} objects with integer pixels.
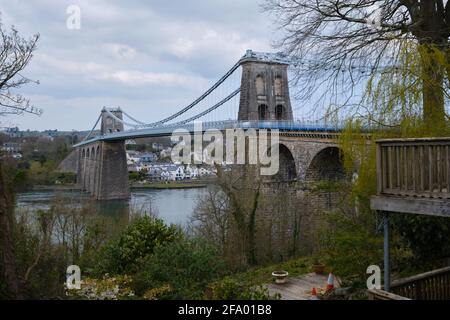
[{"x": 167, "y": 130}]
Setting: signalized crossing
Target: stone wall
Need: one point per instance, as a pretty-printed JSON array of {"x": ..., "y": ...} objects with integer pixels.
[{"x": 70, "y": 163}]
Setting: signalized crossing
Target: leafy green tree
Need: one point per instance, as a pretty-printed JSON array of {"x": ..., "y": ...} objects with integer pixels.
[
  {"x": 139, "y": 240},
  {"x": 186, "y": 266}
]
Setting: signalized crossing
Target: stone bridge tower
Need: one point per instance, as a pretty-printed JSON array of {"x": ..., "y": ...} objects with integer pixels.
[
  {"x": 109, "y": 124},
  {"x": 264, "y": 88}
]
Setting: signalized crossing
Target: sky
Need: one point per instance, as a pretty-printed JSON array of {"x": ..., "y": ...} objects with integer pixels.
[{"x": 150, "y": 57}]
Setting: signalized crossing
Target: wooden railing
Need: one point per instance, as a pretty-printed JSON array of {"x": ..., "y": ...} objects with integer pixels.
[
  {"x": 375, "y": 294},
  {"x": 414, "y": 167},
  {"x": 433, "y": 285}
]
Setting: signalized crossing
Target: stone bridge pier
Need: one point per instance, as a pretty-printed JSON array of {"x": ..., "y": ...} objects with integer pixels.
[{"x": 102, "y": 166}]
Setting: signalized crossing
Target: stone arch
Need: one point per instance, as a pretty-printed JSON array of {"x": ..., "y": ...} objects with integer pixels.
[
  {"x": 287, "y": 168},
  {"x": 263, "y": 112},
  {"x": 97, "y": 152},
  {"x": 93, "y": 153},
  {"x": 87, "y": 153},
  {"x": 260, "y": 88},
  {"x": 83, "y": 153},
  {"x": 279, "y": 112},
  {"x": 327, "y": 164}
]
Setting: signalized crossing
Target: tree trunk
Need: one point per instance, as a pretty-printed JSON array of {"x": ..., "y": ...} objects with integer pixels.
[
  {"x": 6, "y": 240},
  {"x": 433, "y": 90}
]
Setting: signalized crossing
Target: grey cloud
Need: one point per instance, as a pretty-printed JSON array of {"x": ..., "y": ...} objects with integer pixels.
[{"x": 173, "y": 49}]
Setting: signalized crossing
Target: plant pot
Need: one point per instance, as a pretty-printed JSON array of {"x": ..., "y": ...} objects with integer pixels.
[
  {"x": 318, "y": 268},
  {"x": 280, "y": 276}
]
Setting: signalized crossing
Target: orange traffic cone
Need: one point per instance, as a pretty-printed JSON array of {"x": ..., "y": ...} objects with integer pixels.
[
  {"x": 330, "y": 282},
  {"x": 314, "y": 294}
]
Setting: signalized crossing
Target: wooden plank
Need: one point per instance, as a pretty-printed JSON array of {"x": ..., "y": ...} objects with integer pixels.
[
  {"x": 425, "y": 206},
  {"x": 439, "y": 168},
  {"x": 397, "y": 157},
  {"x": 405, "y": 164},
  {"x": 447, "y": 164},
  {"x": 422, "y": 169},
  {"x": 390, "y": 167},
  {"x": 430, "y": 170},
  {"x": 379, "y": 169},
  {"x": 413, "y": 168},
  {"x": 298, "y": 288},
  {"x": 375, "y": 294}
]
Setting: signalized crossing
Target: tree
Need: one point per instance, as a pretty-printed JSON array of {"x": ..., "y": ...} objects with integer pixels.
[
  {"x": 341, "y": 43},
  {"x": 15, "y": 54},
  {"x": 210, "y": 218},
  {"x": 242, "y": 186}
]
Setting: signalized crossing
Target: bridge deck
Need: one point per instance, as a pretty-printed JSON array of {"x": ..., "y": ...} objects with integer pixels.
[{"x": 167, "y": 130}]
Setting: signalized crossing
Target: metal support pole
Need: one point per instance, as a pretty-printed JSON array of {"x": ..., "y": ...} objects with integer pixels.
[{"x": 387, "y": 271}]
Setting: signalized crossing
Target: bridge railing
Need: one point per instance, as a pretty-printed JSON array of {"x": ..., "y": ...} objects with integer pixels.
[
  {"x": 414, "y": 167},
  {"x": 166, "y": 130}
]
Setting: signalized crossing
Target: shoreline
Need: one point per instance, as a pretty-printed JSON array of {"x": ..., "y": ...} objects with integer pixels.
[{"x": 156, "y": 186}]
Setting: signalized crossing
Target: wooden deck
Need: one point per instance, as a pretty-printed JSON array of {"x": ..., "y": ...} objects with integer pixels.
[
  {"x": 298, "y": 288},
  {"x": 413, "y": 176}
]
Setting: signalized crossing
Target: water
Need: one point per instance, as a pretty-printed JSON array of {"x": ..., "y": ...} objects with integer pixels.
[{"x": 172, "y": 205}]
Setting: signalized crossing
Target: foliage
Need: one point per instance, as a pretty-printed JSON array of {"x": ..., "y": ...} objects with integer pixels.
[
  {"x": 185, "y": 266},
  {"x": 351, "y": 245},
  {"x": 133, "y": 176},
  {"x": 156, "y": 293},
  {"x": 427, "y": 237},
  {"x": 231, "y": 289},
  {"x": 136, "y": 242},
  {"x": 107, "y": 288},
  {"x": 66, "y": 178},
  {"x": 352, "y": 233}
]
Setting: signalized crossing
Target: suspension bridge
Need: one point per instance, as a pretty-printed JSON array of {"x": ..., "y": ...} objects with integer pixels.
[
  {"x": 264, "y": 114},
  {"x": 257, "y": 97}
]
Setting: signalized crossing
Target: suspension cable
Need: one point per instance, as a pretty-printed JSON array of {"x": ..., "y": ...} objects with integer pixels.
[
  {"x": 199, "y": 99},
  {"x": 234, "y": 93},
  {"x": 93, "y": 128}
]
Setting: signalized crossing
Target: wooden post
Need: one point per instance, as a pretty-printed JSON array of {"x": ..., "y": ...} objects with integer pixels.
[{"x": 387, "y": 271}]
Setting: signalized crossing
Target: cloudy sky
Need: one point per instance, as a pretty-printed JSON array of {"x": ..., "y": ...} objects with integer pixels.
[{"x": 151, "y": 57}]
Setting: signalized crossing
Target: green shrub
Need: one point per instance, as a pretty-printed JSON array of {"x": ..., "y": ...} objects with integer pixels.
[
  {"x": 351, "y": 246},
  {"x": 135, "y": 243},
  {"x": 427, "y": 237},
  {"x": 186, "y": 266},
  {"x": 133, "y": 176},
  {"x": 231, "y": 289}
]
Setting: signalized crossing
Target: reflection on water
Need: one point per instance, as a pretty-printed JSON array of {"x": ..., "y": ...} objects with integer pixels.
[{"x": 171, "y": 205}]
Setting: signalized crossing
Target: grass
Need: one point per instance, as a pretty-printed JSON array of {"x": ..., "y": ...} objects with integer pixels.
[{"x": 263, "y": 275}]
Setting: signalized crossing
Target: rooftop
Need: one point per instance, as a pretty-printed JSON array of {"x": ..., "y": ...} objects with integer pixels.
[{"x": 251, "y": 55}]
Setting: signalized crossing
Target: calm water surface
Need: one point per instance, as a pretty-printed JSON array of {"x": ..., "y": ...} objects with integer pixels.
[{"x": 171, "y": 205}]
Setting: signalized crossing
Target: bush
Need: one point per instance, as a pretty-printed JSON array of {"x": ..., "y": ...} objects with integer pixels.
[
  {"x": 184, "y": 266},
  {"x": 135, "y": 243},
  {"x": 351, "y": 246},
  {"x": 230, "y": 289},
  {"x": 427, "y": 237}
]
